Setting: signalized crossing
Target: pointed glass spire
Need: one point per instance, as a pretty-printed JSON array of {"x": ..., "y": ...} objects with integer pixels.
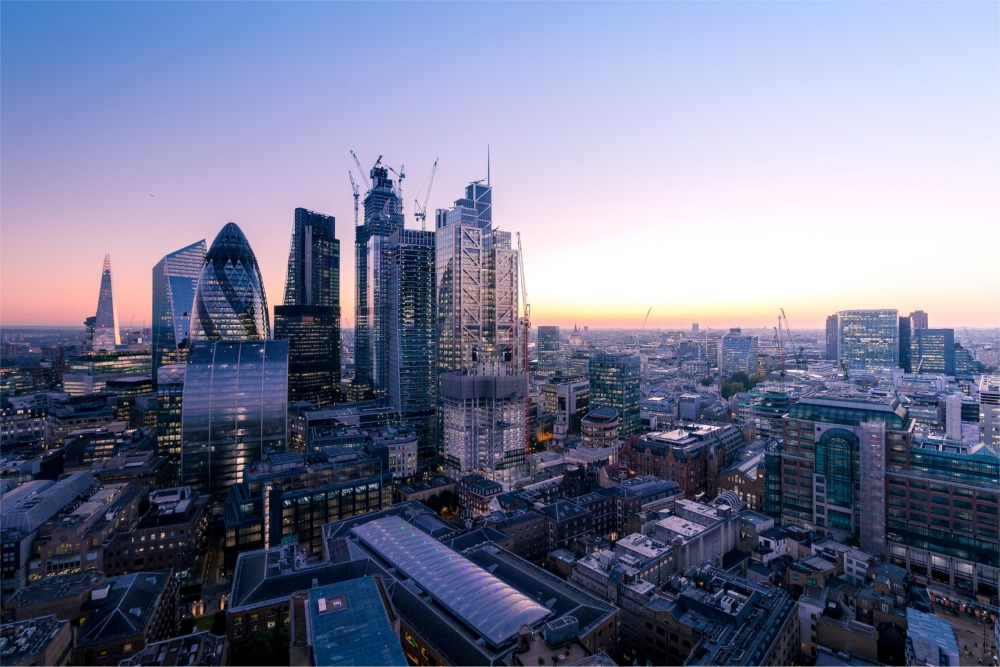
[{"x": 106, "y": 333}]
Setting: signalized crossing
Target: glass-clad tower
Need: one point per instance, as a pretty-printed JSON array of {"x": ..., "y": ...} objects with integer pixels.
[
  {"x": 229, "y": 302},
  {"x": 614, "y": 383},
  {"x": 310, "y": 317},
  {"x": 477, "y": 284},
  {"x": 235, "y": 408},
  {"x": 383, "y": 216},
  {"x": 548, "y": 349},
  {"x": 869, "y": 341},
  {"x": 107, "y": 336},
  {"x": 412, "y": 389},
  {"x": 175, "y": 278},
  {"x": 738, "y": 353}
]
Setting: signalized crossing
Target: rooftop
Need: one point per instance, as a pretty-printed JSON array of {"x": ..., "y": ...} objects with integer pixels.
[
  {"x": 21, "y": 640},
  {"x": 350, "y": 626},
  {"x": 203, "y": 649},
  {"x": 121, "y": 606}
]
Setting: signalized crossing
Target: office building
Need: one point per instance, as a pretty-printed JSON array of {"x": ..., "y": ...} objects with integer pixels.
[
  {"x": 932, "y": 350},
  {"x": 832, "y": 337},
  {"x": 905, "y": 342},
  {"x": 106, "y": 335},
  {"x": 229, "y": 300},
  {"x": 548, "y": 349},
  {"x": 310, "y": 317},
  {"x": 614, "y": 383},
  {"x": 989, "y": 410},
  {"x": 169, "y": 403},
  {"x": 869, "y": 341},
  {"x": 918, "y": 320},
  {"x": 412, "y": 340},
  {"x": 175, "y": 279},
  {"x": 738, "y": 353},
  {"x": 484, "y": 422},
  {"x": 94, "y": 372},
  {"x": 383, "y": 216},
  {"x": 477, "y": 285},
  {"x": 44, "y": 640},
  {"x": 235, "y": 407},
  {"x": 369, "y": 639}
]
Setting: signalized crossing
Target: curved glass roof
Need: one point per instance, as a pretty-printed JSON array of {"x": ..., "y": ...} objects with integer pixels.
[{"x": 491, "y": 607}]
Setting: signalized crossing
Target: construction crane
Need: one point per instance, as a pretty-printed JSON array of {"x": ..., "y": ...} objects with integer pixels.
[
  {"x": 420, "y": 210},
  {"x": 400, "y": 175},
  {"x": 354, "y": 187},
  {"x": 647, "y": 319},
  {"x": 525, "y": 335},
  {"x": 364, "y": 179},
  {"x": 799, "y": 360},
  {"x": 781, "y": 355}
]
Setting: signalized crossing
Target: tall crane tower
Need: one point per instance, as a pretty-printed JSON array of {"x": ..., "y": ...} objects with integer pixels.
[
  {"x": 361, "y": 172},
  {"x": 420, "y": 210},
  {"x": 354, "y": 187},
  {"x": 525, "y": 335}
]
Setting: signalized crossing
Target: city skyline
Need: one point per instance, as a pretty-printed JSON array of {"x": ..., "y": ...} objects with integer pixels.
[{"x": 715, "y": 162}]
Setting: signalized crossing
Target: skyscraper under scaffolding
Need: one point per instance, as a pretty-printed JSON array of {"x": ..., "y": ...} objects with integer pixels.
[
  {"x": 383, "y": 216},
  {"x": 483, "y": 386}
]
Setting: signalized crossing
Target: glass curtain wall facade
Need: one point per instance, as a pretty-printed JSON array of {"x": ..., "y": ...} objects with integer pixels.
[
  {"x": 383, "y": 216},
  {"x": 229, "y": 302},
  {"x": 832, "y": 332},
  {"x": 738, "y": 353},
  {"x": 933, "y": 350},
  {"x": 175, "y": 279},
  {"x": 548, "y": 349},
  {"x": 310, "y": 317},
  {"x": 412, "y": 388},
  {"x": 107, "y": 335},
  {"x": 235, "y": 408},
  {"x": 614, "y": 383},
  {"x": 869, "y": 341},
  {"x": 477, "y": 279}
]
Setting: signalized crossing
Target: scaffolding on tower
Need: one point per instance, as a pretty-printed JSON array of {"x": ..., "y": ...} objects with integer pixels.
[{"x": 525, "y": 337}]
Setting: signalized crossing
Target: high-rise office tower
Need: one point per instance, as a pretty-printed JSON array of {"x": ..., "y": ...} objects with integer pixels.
[
  {"x": 548, "y": 349},
  {"x": 175, "y": 278},
  {"x": 413, "y": 377},
  {"x": 310, "y": 317},
  {"x": 229, "y": 301},
  {"x": 832, "y": 335},
  {"x": 477, "y": 284},
  {"x": 932, "y": 350},
  {"x": 614, "y": 383},
  {"x": 483, "y": 384},
  {"x": 918, "y": 320},
  {"x": 107, "y": 336},
  {"x": 738, "y": 353},
  {"x": 383, "y": 216},
  {"x": 169, "y": 406},
  {"x": 869, "y": 341},
  {"x": 235, "y": 408},
  {"x": 905, "y": 338},
  {"x": 989, "y": 410}
]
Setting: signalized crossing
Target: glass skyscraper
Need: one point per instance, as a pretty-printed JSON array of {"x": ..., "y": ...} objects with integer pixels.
[
  {"x": 383, "y": 216},
  {"x": 738, "y": 353},
  {"x": 107, "y": 335},
  {"x": 310, "y": 318},
  {"x": 614, "y": 383},
  {"x": 548, "y": 349},
  {"x": 229, "y": 301},
  {"x": 477, "y": 284},
  {"x": 412, "y": 388},
  {"x": 175, "y": 279},
  {"x": 869, "y": 341},
  {"x": 235, "y": 408},
  {"x": 933, "y": 350}
]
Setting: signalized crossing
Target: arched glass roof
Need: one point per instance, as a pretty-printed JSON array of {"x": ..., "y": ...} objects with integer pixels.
[{"x": 491, "y": 607}]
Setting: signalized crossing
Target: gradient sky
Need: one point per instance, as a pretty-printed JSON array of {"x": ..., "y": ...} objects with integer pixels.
[{"x": 713, "y": 160}]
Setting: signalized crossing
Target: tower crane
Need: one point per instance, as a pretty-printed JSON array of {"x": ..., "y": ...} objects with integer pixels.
[
  {"x": 400, "y": 175},
  {"x": 781, "y": 354},
  {"x": 420, "y": 210},
  {"x": 647, "y": 318},
  {"x": 799, "y": 361},
  {"x": 525, "y": 335},
  {"x": 354, "y": 187},
  {"x": 361, "y": 172}
]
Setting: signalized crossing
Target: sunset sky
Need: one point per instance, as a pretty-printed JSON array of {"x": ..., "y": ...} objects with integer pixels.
[{"x": 716, "y": 161}]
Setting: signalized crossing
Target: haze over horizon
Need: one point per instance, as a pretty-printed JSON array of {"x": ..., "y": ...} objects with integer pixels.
[{"x": 716, "y": 161}]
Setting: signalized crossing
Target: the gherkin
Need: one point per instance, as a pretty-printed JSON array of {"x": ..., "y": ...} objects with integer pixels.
[{"x": 229, "y": 302}]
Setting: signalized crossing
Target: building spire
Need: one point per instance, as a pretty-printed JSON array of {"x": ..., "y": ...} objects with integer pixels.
[{"x": 487, "y": 164}]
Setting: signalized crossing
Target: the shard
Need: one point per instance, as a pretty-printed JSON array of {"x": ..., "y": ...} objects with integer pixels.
[{"x": 106, "y": 333}]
